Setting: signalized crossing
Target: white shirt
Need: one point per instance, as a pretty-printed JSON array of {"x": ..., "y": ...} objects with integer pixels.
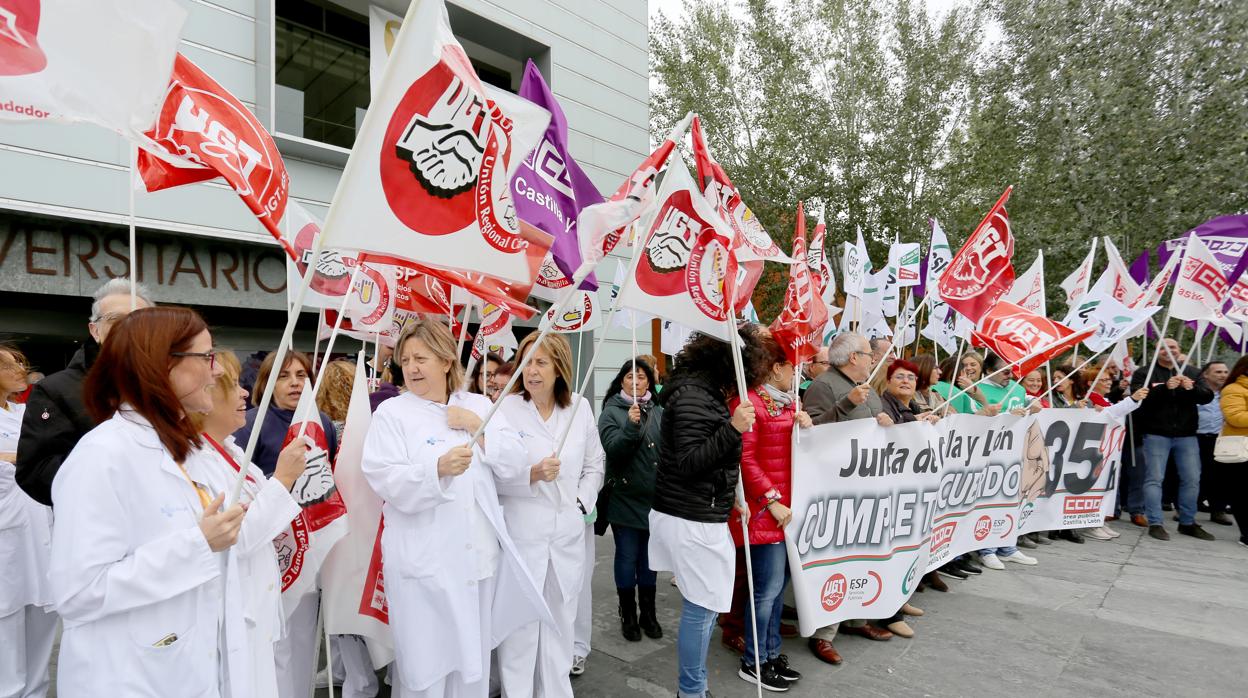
[{"x": 25, "y": 529}]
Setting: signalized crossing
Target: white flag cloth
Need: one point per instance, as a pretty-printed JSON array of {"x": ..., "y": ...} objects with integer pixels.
[
  {"x": 855, "y": 267},
  {"x": 495, "y": 332},
  {"x": 383, "y": 29},
  {"x": 673, "y": 337},
  {"x": 939, "y": 255},
  {"x": 941, "y": 328},
  {"x": 907, "y": 255},
  {"x": 1114, "y": 322},
  {"x": 1151, "y": 295},
  {"x": 1201, "y": 289},
  {"x": 352, "y": 589},
  {"x": 890, "y": 291},
  {"x": 628, "y": 319},
  {"x": 1238, "y": 308},
  {"x": 1028, "y": 289},
  {"x": 580, "y": 315},
  {"x": 685, "y": 259},
  {"x": 1076, "y": 285},
  {"x": 905, "y": 333},
  {"x": 104, "y": 62},
  {"x": 322, "y": 522},
  {"x": 428, "y": 178},
  {"x": 1121, "y": 286}
]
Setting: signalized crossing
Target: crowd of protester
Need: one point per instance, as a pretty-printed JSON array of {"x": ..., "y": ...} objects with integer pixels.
[{"x": 114, "y": 474}]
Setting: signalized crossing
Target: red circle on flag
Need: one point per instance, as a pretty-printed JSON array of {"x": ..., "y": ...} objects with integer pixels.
[{"x": 20, "y": 53}]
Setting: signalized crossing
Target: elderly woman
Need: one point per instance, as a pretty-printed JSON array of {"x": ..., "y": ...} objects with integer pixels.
[
  {"x": 547, "y": 512},
  {"x": 136, "y": 570},
  {"x": 453, "y": 579},
  {"x": 270, "y": 509}
]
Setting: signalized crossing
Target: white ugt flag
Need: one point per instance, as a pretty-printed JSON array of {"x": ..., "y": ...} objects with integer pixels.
[
  {"x": 351, "y": 583},
  {"x": 1028, "y": 289},
  {"x": 105, "y": 62},
  {"x": 1201, "y": 289},
  {"x": 428, "y": 178}
]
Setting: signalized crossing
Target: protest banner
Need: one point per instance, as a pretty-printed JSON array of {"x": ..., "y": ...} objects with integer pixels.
[{"x": 863, "y": 500}]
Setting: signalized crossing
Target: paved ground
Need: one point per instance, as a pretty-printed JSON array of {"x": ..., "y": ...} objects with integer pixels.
[{"x": 1131, "y": 617}]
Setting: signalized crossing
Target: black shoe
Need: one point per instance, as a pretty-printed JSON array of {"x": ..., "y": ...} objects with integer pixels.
[
  {"x": 951, "y": 570},
  {"x": 1167, "y": 507},
  {"x": 1040, "y": 538},
  {"x": 966, "y": 565},
  {"x": 1195, "y": 531},
  {"x": 628, "y": 615},
  {"x": 781, "y": 666},
  {"x": 646, "y": 617},
  {"x": 1158, "y": 531},
  {"x": 1071, "y": 535},
  {"x": 1220, "y": 517},
  {"x": 771, "y": 680}
]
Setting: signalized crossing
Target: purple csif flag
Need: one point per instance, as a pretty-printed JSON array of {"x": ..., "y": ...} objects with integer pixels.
[{"x": 549, "y": 188}]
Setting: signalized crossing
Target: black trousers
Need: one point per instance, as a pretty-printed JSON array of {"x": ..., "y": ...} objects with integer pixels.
[
  {"x": 1237, "y": 488},
  {"x": 1213, "y": 475}
]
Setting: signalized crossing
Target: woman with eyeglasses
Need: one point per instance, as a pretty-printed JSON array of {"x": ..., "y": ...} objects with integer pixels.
[
  {"x": 27, "y": 621},
  {"x": 270, "y": 509},
  {"x": 139, "y": 546}
]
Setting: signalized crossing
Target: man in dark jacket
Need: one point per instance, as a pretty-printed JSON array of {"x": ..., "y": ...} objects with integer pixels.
[
  {"x": 1168, "y": 420},
  {"x": 55, "y": 416},
  {"x": 838, "y": 395}
]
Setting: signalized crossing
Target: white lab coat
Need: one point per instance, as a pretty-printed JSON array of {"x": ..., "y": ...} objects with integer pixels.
[
  {"x": 138, "y": 588},
  {"x": 270, "y": 509},
  {"x": 549, "y": 530},
  {"x": 25, "y": 529},
  {"x": 444, "y": 538}
]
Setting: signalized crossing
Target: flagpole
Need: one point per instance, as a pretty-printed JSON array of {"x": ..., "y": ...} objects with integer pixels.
[
  {"x": 1161, "y": 344},
  {"x": 1092, "y": 386},
  {"x": 463, "y": 334},
  {"x": 1201, "y": 326},
  {"x": 134, "y": 244},
  {"x": 329, "y": 644},
  {"x": 1003, "y": 369},
  {"x": 292, "y": 318},
  {"x": 957, "y": 369},
  {"x": 1068, "y": 377}
]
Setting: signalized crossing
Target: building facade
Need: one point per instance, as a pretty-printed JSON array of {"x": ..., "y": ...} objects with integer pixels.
[{"x": 303, "y": 67}]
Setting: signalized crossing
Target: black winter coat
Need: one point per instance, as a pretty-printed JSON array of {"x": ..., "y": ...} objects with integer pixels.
[
  {"x": 632, "y": 457},
  {"x": 1167, "y": 412},
  {"x": 699, "y": 452},
  {"x": 55, "y": 419}
]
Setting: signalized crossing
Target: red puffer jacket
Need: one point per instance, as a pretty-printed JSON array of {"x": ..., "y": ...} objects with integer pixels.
[{"x": 766, "y": 460}]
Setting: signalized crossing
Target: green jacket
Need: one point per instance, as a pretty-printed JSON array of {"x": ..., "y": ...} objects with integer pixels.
[{"x": 632, "y": 460}]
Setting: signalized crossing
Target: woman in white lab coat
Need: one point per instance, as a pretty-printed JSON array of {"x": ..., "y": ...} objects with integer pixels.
[
  {"x": 136, "y": 573},
  {"x": 546, "y": 515},
  {"x": 454, "y": 581},
  {"x": 270, "y": 509},
  {"x": 27, "y": 623}
]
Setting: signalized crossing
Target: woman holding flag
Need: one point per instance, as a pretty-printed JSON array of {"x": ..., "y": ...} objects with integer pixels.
[
  {"x": 547, "y": 512},
  {"x": 270, "y": 509},
  {"x": 699, "y": 464},
  {"x": 453, "y": 578},
  {"x": 136, "y": 572}
]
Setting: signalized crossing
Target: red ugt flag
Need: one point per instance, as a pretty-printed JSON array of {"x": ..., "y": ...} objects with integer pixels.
[
  {"x": 799, "y": 326},
  {"x": 981, "y": 272},
  {"x": 1024, "y": 339},
  {"x": 204, "y": 125}
]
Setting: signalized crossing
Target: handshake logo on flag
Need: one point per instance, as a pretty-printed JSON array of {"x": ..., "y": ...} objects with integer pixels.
[{"x": 446, "y": 145}]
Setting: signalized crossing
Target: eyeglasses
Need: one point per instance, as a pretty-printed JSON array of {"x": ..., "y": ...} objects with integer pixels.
[
  {"x": 908, "y": 377},
  {"x": 825, "y": 363},
  {"x": 210, "y": 355},
  {"x": 864, "y": 353},
  {"x": 108, "y": 317}
]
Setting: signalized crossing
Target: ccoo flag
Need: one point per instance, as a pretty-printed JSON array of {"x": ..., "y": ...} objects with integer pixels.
[
  {"x": 549, "y": 188},
  {"x": 429, "y": 177}
]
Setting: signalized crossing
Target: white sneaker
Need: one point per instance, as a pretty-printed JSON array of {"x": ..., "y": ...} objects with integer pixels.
[
  {"x": 322, "y": 679},
  {"x": 578, "y": 666},
  {"x": 1110, "y": 532},
  {"x": 1019, "y": 557},
  {"x": 991, "y": 562},
  {"x": 1096, "y": 533}
]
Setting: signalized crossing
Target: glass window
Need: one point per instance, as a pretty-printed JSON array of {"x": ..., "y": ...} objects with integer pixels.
[{"x": 322, "y": 70}]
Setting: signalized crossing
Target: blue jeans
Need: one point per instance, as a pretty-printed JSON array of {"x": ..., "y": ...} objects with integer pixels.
[
  {"x": 1138, "y": 471},
  {"x": 692, "y": 641},
  {"x": 632, "y": 558},
  {"x": 1007, "y": 550},
  {"x": 771, "y": 571},
  {"x": 1157, "y": 451}
]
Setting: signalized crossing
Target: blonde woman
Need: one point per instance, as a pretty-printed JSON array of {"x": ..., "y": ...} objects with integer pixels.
[
  {"x": 335, "y": 393},
  {"x": 547, "y": 514},
  {"x": 454, "y": 580}
]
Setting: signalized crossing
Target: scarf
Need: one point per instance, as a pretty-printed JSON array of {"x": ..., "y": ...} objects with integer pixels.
[
  {"x": 781, "y": 397},
  {"x": 643, "y": 399}
]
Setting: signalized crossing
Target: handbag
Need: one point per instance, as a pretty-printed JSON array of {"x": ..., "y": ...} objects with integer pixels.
[{"x": 1231, "y": 449}]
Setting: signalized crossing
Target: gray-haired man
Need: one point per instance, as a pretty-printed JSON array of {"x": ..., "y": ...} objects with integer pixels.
[{"x": 55, "y": 416}]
